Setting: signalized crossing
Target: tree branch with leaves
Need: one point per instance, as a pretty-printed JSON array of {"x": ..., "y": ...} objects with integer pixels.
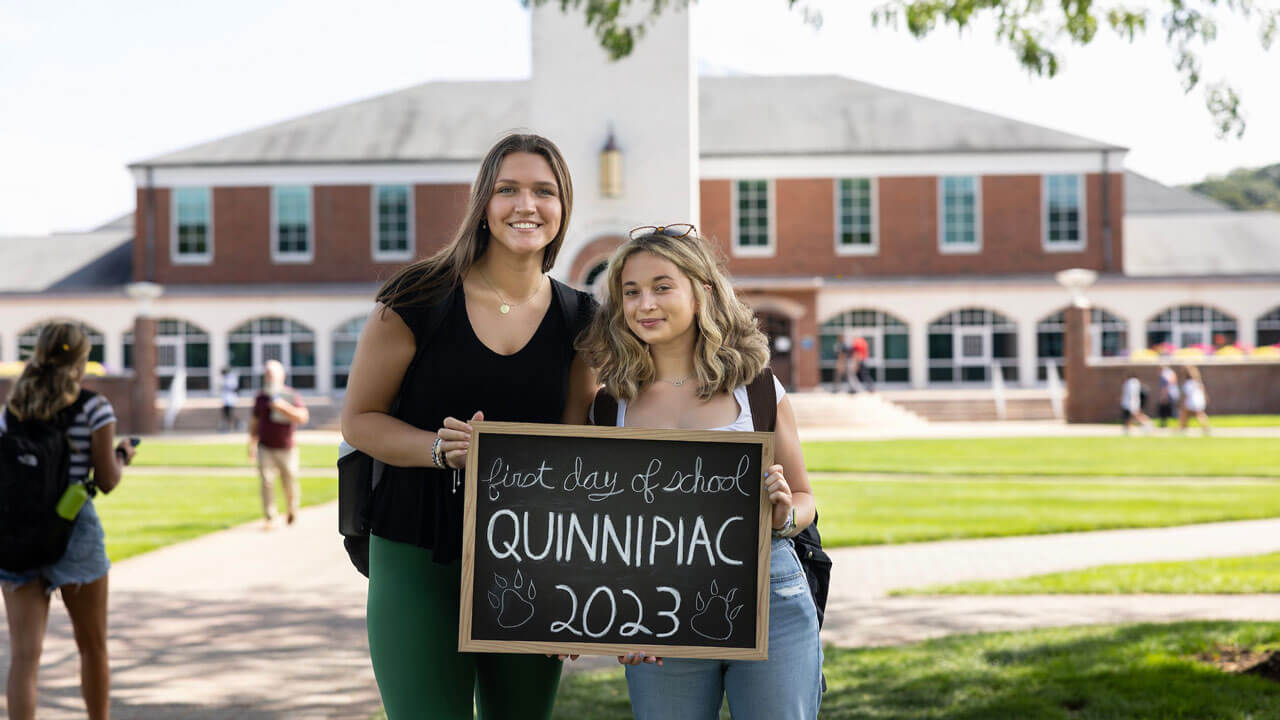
[{"x": 1035, "y": 30}]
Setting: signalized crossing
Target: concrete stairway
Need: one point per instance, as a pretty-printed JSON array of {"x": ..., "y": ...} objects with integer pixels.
[
  {"x": 824, "y": 409},
  {"x": 977, "y": 405}
]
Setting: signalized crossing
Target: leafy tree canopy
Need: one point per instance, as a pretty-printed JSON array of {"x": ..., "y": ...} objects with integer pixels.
[
  {"x": 1245, "y": 188},
  {"x": 1035, "y": 30}
]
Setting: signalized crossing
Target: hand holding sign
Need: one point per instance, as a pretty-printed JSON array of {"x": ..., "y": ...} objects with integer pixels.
[{"x": 641, "y": 544}]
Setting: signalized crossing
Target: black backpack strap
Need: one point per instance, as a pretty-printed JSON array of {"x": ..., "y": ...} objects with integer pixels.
[
  {"x": 764, "y": 401},
  {"x": 576, "y": 307},
  {"x": 604, "y": 409}
]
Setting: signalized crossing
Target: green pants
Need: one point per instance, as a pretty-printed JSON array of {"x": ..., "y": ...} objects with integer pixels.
[{"x": 413, "y": 640}]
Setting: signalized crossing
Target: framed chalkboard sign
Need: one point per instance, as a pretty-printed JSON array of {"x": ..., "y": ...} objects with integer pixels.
[{"x": 601, "y": 541}]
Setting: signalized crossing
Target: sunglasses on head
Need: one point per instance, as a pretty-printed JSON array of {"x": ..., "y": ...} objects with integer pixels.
[{"x": 677, "y": 231}]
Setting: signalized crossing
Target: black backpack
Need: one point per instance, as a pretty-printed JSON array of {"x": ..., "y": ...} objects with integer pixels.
[
  {"x": 359, "y": 473},
  {"x": 35, "y": 470},
  {"x": 764, "y": 415}
]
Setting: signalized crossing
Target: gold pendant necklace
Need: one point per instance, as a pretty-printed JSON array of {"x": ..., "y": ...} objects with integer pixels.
[{"x": 504, "y": 307}]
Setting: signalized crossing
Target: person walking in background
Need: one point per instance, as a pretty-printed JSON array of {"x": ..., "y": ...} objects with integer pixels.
[
  {"x": 1167, "y": 396},
  {"x": 1194, "y": 400},
  {"x": 1131, "y": 404},
  {"x": 48, "y": 391},
  {"x": 277, "y": 410},
  {"x": 859, "y": 373},
  {"x": 230, "y": 389}
]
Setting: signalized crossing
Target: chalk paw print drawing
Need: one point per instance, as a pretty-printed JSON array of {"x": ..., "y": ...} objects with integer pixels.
[
  {"x": 513, "y": 600},
  {"x": 716, "y": 614}
]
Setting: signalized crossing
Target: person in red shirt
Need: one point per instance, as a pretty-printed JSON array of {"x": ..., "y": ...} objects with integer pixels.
[{"x": 277, "y": 410}]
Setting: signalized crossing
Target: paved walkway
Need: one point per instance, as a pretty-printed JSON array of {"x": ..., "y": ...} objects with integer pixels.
[{"x": 250, "y": 624}]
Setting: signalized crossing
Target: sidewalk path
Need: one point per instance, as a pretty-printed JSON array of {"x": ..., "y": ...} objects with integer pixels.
[
  {"x": 237, "y": 624},
  {"x": 269, "y": 626}
]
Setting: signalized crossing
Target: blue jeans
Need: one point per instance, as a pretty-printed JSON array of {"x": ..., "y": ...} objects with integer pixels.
[
  {"x": 787, "y": 686},
  {"x": 84, "y": 561}
]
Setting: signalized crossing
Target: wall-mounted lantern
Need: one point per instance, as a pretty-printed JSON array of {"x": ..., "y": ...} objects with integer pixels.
[{"x": 611, "y": 168}]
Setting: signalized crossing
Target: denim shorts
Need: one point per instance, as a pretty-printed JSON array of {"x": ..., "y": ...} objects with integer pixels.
[
  {"x": 84, "y": 561},
  {"x": 787, "y": 686}
]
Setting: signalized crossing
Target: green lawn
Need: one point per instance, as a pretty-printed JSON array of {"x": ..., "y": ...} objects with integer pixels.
[
  {"x": 182, "y": 454},
  {"x": 150, "y": 511},
  {"x": 1244, "y": 421},
  {"x": 1183, "y": 456},
  {"x": 1135, "y": 672},
  {"x": 857, "y": 512},
  {"x": 1255, "y": 574}
]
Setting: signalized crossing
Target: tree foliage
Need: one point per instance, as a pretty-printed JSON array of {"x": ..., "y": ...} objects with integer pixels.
[
  {"x": 1037, "y": 31},
  {"x": 1245, "y": 188}
]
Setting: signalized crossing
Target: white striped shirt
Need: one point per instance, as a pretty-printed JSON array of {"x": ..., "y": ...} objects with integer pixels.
[{"x": 93, "y": 414}]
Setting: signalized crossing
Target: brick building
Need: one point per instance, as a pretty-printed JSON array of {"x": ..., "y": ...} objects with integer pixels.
[{"x": 930, "y": 229}]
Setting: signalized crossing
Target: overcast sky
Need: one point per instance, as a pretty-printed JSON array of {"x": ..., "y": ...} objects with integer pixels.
[{"x": 87, "y": 86}]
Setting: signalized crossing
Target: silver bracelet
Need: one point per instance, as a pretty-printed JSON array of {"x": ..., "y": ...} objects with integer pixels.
[{"x": 437, "y": 457}]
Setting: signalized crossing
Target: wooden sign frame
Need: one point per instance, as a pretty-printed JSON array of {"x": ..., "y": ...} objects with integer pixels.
[{"x": 764, "y": 532}]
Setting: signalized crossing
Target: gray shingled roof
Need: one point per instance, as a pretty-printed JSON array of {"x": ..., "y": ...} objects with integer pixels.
[
  {"x": 1142, "y": 195},
  {"x": 747, "y": 115},
  {"x": 69, "y": 262},
  {"x": 1202, "y": 244}
]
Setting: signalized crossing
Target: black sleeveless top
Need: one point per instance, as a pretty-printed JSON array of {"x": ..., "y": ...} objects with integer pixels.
[{"x": 456, "y": 376}]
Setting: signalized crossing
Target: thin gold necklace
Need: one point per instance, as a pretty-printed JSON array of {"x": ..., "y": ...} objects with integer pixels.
[{"x": 505, "y": 307}]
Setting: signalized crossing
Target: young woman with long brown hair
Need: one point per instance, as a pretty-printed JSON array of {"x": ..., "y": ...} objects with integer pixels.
[
  {"x": 48, "y": 391},
  {"x": 503, "y": 351}
]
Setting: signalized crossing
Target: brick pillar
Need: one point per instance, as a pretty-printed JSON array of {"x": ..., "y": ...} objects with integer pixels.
[
  {"x": 145, "y": 382},
  {"x": 1077, "y": 357}
]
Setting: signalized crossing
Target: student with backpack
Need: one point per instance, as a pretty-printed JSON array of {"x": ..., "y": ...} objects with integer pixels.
[
  {"x": 57, "y": 441},
  {"x": 477, "y": 331},
  {"x": 675, "y": 348}
]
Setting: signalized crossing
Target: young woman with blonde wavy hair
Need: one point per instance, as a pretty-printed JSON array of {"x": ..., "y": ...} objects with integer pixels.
[
  {"x": 48, "y": 391},
  {"x": 676, "y": 348}
]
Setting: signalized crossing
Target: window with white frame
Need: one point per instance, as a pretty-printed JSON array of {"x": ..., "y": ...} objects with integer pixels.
[
  {"x": 855, "y": 215},
  {"x": 1063, "y": 212},
  {"x": 1268, "y": 328},
  {"x": 251, "y": 345},
  {"x": 751, "y": 218},
  {"x": 291, "y": 223},
  {"x": 1188, "y": 325},
  {"x": 345, "y": 337},
  {"x": 964, "y": 345},
  {"x": 392, "y": 222},
  {"x": 888, "y": 348},
  {"x": 192, "y": 231},
  {"x": 960, "y": 226},
  {"x": 1108, "y": 337},
  {"x": 179, "y": 344}
]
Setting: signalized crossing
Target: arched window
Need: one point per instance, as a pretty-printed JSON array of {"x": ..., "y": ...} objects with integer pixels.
[
  {"x": 1269, "y": 328},
  {"x": 1108, "y": 337},
  {"x": 252, "y": 344},
  {"x": 888, "y": 354},
  {"x": 27, "y": 340},
  {"x": 965, "y": 344},
  {"x": 179, "y": 344},
  {"x": 1188, "y": 325},
  {"x": 596, "y": 275},
  {"x": 344, "y": 349}
]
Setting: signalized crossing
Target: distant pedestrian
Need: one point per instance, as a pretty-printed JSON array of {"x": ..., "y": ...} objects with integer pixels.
[
  {"x": 1194, "y": 400},
  {"x": 277, "y": 410},
  {"x": 48, "y": 393},
  {"x": 858, "y": 370},
  {"x": 1131, "y": 404},
  {"x": 1168, "y": 395},
  {"x": 230, "y": 391}
]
